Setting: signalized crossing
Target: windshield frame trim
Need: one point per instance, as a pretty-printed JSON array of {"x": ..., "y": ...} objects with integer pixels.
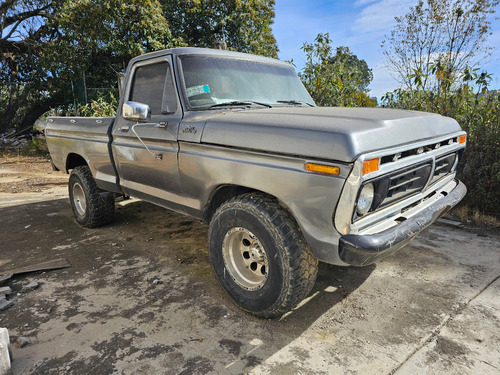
[{"x": 244, "y": 57}]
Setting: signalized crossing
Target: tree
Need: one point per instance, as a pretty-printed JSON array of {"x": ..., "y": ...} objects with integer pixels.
[
  {"x": 245, "y": 25},
  {"x": 50, "y": 45},
  {"x": 22, "y": 26},
  {"x": 339, "y": 79},
  {"x": 24, "y": 29},
  {"x": 97, "y": 38},
  {"x": 437, "y": 40}
]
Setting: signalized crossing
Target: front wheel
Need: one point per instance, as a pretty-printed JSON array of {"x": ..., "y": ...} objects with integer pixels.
[
  {"x": 91, "y": 206},
  {"x": 259, "y": 256}
]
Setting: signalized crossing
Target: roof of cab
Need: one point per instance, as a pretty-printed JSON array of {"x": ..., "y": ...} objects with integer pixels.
[{"x": 208, "y": 52}]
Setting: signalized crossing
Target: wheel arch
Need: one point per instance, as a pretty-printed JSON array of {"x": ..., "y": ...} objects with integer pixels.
[
  {"x": 223, "y": 193},
  {"x": 74, "y": 160}
]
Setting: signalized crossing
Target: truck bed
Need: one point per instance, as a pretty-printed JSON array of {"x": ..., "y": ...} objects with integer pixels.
[{"x": 83, "y": 137}]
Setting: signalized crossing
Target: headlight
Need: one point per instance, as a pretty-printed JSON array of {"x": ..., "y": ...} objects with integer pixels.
[{"x": 365, "y": 199}]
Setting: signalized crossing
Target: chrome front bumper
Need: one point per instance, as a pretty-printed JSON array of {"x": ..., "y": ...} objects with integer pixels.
[{"x": 362, "y": 250}]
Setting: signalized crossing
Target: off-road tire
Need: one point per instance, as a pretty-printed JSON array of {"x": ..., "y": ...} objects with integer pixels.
[
  {"x": 290, "y": 266},
  {"x": 91, "y": 206}
]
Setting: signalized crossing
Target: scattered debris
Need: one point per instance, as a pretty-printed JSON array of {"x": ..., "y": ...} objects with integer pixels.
[
  {"x": 13, "y": 142},
  {"x": 22, "y": 342},
  {"x": 452, "y": 223},
  {"x": 156, "y": 282},
  {"x": 4, "y": 304},
  {"x": 30, "y": 287},
  {"x": 5, "y": 278},
  {"x": 44, "y": 266},
  {"x": 5, "y": 356}
]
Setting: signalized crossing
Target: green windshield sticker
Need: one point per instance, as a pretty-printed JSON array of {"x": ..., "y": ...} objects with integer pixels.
[{"x": 197, "y": 90}]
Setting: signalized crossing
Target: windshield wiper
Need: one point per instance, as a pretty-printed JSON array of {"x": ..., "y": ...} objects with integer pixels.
[
  {"x": 294, "y": 102},
  {"x": 239, "y": 103}
]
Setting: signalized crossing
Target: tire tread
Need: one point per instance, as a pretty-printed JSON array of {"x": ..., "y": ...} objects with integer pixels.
[
  {"x": 301, "y": 267},
  {"x": 100, "y": 206}
]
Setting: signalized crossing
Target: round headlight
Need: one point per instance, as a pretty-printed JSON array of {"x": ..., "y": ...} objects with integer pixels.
[{"x": 365, "y": 199}]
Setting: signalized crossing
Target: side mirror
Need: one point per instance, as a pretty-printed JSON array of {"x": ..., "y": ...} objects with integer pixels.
[{"x": 134, "y": 111}]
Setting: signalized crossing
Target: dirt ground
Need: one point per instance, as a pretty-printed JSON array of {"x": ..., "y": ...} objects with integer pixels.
[{"x": 140, "y": 298}]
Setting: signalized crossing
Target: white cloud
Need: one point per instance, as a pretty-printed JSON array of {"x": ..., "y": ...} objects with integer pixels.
[
  {"x": 360, "y": 3},
  {"x": 379, "y": 16}
]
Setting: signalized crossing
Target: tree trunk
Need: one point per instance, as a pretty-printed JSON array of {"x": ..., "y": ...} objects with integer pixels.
[{"x": 22, "y": 117}]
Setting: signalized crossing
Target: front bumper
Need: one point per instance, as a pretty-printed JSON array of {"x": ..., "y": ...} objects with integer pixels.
[{"x": 362, "y": 250}]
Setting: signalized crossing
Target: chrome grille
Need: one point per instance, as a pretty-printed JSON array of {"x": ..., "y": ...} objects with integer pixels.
[
  {"x": 406, "y": 182},
  {"x": 444, "y": 166}
]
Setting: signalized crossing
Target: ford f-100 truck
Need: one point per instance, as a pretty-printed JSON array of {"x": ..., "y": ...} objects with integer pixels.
[{"x": 236, "y": 141}]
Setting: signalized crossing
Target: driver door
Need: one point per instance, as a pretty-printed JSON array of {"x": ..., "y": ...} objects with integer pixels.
[{"x": 145, "y": 154}]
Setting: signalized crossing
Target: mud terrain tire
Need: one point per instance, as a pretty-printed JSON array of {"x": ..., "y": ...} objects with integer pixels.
[
  {"x": 259, "y": 256},
  {"x": 91, "y": 206}
]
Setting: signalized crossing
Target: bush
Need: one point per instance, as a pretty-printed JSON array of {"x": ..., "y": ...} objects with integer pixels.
[
  {"x": 37, "y": 146},
  {"x": 105, "y": 105}
]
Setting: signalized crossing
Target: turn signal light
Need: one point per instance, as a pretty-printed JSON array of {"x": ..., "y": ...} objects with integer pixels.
[
  {"x": 462, "y": 139},
  {"x": 370, "y": 166},
  {"x": 324, "y": 169}
]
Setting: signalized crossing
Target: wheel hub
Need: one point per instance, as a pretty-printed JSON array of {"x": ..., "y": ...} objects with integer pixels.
[
  {"x": 245, "y": 258},
  {"x": 257, "y": 255},
  {"x": 79, "y": 199}
]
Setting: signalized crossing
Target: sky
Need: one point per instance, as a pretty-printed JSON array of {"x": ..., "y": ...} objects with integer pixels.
[{"x": 358, "y": 24}]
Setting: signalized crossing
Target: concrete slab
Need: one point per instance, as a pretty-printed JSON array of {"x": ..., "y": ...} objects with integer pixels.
[
  {"x": 5, "y": 367},
  {"x": 105, "y": 314},
  {"x": 399, "y": 308},
  {"x": 469, "y": 342}
]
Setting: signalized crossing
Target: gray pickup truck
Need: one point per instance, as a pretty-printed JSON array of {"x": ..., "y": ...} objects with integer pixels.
[{"x": 236, "y": 141}]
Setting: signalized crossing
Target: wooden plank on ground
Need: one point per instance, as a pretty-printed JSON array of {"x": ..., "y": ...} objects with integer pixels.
[{"x": 50, "y": 265}]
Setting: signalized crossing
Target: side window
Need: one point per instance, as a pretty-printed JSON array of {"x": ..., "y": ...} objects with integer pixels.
[{"x": 153, "y": 85}]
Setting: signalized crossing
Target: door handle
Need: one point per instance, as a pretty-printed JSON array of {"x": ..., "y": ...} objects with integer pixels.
[
  {"x": 125, "y": 129},
  {"x": 161, "y": 125}
]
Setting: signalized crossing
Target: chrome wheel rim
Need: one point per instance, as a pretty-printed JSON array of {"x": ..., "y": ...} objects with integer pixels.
[
  {"x": 245, "y": 258},
  {"x": 79, "y": 201}
]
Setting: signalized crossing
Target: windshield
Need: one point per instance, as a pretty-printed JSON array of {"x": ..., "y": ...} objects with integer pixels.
[{"x": 214, "y": 81}]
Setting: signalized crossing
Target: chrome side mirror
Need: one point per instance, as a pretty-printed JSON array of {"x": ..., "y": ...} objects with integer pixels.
[{"x": 134, "y": 111}]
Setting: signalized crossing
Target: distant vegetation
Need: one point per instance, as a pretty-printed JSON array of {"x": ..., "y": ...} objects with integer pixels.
[{"x": 335, "y": 79}]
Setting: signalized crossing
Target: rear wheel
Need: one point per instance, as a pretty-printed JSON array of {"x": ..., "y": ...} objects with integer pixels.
[
  {"x": 91, "y": 206},
  {"x": 259, "y": 255}
]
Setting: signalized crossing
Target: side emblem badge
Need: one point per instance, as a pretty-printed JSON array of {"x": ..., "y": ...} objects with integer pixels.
[{"x": 189, "y": 129}]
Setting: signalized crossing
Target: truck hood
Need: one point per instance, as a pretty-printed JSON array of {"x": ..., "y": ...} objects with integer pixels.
[{"x": 329, "y": 133}]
